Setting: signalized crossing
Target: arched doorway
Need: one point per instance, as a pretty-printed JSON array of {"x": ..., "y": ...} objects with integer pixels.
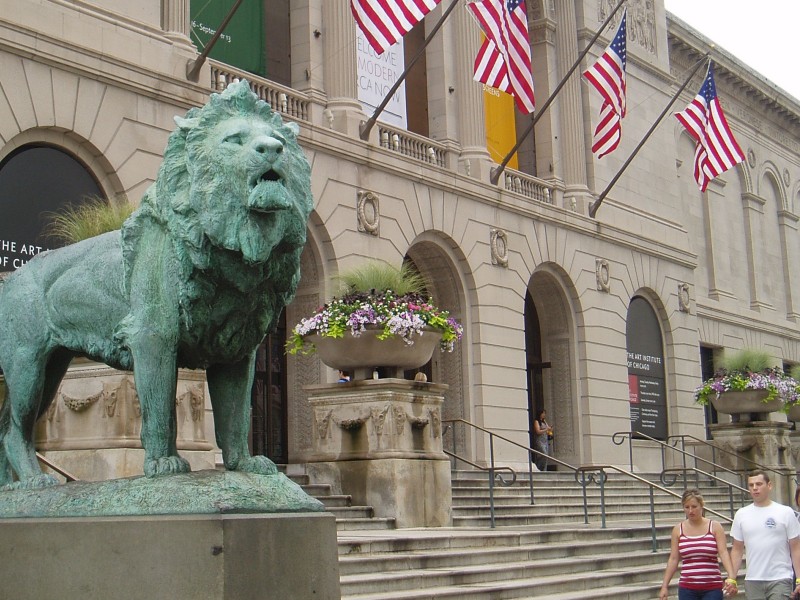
[{"x": 550, "y": 347}]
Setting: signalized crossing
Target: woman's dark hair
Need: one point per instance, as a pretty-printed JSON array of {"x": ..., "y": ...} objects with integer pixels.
[
  {"x": 797, "y": 496},
  {"x": 539, "y": 414}
]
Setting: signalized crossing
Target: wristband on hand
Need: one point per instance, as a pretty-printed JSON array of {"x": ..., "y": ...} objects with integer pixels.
[
  {"x": 797, "y": 581},
  {"x": 732, "y": 582}
]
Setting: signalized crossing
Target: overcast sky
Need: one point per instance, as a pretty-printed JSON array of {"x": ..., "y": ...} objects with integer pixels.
[{"x": 763, "y": 35}]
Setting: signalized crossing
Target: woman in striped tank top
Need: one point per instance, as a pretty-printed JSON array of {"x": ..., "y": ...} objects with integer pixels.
[{"x": 699, "y": 544}]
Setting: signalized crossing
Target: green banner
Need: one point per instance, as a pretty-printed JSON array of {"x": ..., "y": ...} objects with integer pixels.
[{"x": 241, "y": 44}]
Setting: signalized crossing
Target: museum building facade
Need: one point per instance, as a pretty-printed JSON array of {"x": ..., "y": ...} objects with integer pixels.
[{"x": 607, "y": 322}]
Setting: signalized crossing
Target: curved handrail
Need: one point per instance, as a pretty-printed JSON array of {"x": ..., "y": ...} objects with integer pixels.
[
  {"x": 619, "y": 438},
  {"x": 671, "y": 475},
  {"x": 714, "y": 449},
  {"x": 492, "y": 468},
  {"x": 498, "y": 476},
  {"x": 603, "y": 477}
]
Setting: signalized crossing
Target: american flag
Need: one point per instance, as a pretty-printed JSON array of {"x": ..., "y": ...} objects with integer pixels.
[
  {"x": 716, "y": 150},
  {"x": 384, "y": 22},
  {"x": 504, "y": 60},
  {"x": 607, "y": 76}
]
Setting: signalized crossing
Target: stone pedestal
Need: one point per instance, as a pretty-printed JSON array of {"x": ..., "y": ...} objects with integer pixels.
[
  {"x": 92, "y": 429},
  {"x": 381, "y": 442},
  {"x": 766, "y": 443},
  {"x": 222, "y": 557}
]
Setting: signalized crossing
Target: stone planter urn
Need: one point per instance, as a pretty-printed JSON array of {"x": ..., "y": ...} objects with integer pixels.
[
  {"x": 794, "y": 413},
  {"x": 364, "y": 353},
  {"x": 746, "y": 405}
]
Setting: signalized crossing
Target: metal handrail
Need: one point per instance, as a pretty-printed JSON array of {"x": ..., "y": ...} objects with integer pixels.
[
  {"x": 584, "y": 475},
  {"x": 619, "y": 438},
  {"x": 670, "y": 475},
  {"x": 65, "y": 474},
  {"x": 601, "y": 478},
  {"x": 492, "y": 468},
  {"x": 715, "y": 449},
  {"x": 498, "y": 476}
]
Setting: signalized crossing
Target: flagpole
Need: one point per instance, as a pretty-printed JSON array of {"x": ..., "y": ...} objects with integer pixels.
[
  {"x": 193, "y": 68},
  {"x": 596, "y": 204},
  {"x": 366, "y": 126},
  {"x": 498, "y": 170}
]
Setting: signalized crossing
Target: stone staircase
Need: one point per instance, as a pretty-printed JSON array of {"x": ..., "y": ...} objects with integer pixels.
[{"x": 539, "y": 550}]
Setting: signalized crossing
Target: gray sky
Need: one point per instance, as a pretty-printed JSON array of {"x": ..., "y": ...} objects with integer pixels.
[{"x": 763, "y": 35}]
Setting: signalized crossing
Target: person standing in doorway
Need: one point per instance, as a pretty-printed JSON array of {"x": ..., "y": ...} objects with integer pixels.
[
  {"x": 542, "y": 432},
  {"x": 769, "y": 534},
  {"x": 699, "y": 545}
]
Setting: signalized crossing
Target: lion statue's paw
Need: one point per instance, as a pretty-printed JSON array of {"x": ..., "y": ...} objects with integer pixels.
[
  {"x": 257, "y": 464},
  {"x": 167, "y": 465},
  {"x": 32, "y": 483}
]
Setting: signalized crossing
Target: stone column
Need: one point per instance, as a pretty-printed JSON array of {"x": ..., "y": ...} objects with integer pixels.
[
  {"x": 474, "y": 159},
  {"x": 573, "y": 144},
  {"x": 175, "y": 21},
  {"x": 339, "y": 37},
  {"x": 790, "y": 249},
  {"x": 753, "y": 210}
]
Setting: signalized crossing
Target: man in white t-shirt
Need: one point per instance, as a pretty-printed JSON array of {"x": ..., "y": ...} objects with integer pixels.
[{"x": 771, "y": 534}]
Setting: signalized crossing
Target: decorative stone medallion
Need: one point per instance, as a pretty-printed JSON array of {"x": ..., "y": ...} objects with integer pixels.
[
  {"x": 684, "y": 301},
  {"x": 369, "y": 213},
  {"x": 602, "y": 275},
  {"x": 498, "y": 242}
]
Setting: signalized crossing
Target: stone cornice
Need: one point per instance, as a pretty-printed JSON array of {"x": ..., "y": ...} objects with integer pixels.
[{"x": 746, "y": 84}]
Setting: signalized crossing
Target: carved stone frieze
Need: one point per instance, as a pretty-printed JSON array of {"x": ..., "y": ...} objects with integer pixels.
[
  {"x": 641, "y": 21},
  {"x": 80, "y": 404}
]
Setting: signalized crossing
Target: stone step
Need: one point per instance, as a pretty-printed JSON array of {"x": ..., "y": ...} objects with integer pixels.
[
  {"x": 363, "y": 523},
  {"x": 507, "y": 580},
  {"x": 445, "y": 558}
]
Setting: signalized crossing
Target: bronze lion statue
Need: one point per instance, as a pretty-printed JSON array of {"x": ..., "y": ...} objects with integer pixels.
[{"x": 196, "y": 278}]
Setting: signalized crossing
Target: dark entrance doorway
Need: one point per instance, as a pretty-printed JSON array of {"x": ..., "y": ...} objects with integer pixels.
[
  {"x": 268, "y": 431},
  {"x": 534, "y": 364}
]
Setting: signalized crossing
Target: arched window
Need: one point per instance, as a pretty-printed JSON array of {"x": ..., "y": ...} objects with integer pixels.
[
  {"x": 35, "y": 181},
  {"x": 646, "y": 389}
]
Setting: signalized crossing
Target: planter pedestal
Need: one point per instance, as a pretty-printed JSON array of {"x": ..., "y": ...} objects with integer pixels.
[
  {"x": 381, "y": 442},
  {"x": 766, "y": 443}
]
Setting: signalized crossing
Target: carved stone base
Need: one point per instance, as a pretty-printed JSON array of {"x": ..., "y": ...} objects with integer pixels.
[
  {"x": 415, "y": 493},
  {"x": 765, "y": 443},
  {"x": 381, "y": 442}
]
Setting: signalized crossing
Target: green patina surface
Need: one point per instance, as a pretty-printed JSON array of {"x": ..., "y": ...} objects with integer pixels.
[
  {"x": 196, "y": 278},
  {"x": 201, "y": 492}
]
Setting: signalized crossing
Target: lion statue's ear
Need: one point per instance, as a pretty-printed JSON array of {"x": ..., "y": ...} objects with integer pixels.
[
  {"x": 186, "y": 124},
  {"x": 293, "y": 127}
]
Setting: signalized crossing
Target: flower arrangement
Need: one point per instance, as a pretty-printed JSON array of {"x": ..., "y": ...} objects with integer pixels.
[
  {"x": 382, "y": 297},
  {"x": 751, "y": 370}
]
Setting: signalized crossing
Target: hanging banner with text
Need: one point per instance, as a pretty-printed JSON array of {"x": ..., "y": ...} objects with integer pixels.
[{"x": 375, "y": 77}]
